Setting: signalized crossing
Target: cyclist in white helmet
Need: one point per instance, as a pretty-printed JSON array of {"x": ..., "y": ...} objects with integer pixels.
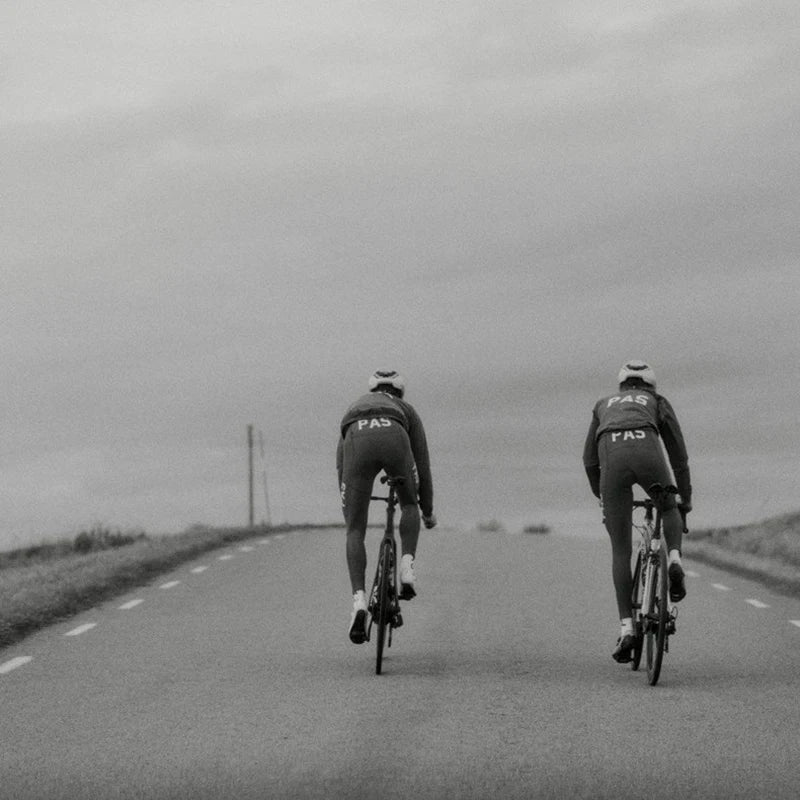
[
  {"x": 382, "y": 431},
  {"x": 623, "y": 448}
]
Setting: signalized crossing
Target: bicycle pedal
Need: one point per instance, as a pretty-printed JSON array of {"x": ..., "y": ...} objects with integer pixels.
[
  {"x": 671, "y": 629},
  {"x": 397, "y": 620},
  {"x": 673, "y": 616}
]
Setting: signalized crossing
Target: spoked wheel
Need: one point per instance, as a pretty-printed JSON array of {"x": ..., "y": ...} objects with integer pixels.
[
  {"x": 637, "y": 597},
  {"x": 656, "y": 623},
  {"x": 383, "y": 610}
]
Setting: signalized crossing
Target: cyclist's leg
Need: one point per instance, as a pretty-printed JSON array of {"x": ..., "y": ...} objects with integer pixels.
[
  {"x": 358, "y": 474},
  {"x": 616, "y": 490},
  {"x": 400, "y": 461},
  {"x": 617, "y": 507},
  {"x": 653, "y": 469},
  {"x": 356, "y": 512}
]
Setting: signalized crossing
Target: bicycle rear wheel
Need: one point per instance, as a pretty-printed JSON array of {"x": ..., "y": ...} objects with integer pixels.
[
  {"x": 636, "y": 602},
  {"x": 383, "y": 620},
  {"x": 656, "y": 623}
]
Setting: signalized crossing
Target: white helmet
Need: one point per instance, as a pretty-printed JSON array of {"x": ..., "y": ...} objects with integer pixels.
[
  {"x": 637, "y": 369},
  {"x": 387, "y": 378}
]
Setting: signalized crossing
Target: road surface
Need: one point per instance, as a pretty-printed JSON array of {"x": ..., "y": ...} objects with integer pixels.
[{"x": 233, "y": 677}]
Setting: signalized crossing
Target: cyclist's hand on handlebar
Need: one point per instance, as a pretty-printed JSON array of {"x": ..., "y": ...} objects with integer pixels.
[{"x": 430, "y": 522}]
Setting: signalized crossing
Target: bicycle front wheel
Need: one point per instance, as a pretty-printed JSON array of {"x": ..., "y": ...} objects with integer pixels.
[
  {"x": 386, "y": 565},
  {"x": 656, "y": 623},
  {"x": 637, "y": 596}
]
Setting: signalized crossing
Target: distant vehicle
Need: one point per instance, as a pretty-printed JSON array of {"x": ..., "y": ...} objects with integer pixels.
[
  {"x": 536, "y": 529},
  {"x": 492, "y": 526}
]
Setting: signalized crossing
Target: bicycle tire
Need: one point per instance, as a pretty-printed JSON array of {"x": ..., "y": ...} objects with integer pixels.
[
  {"x": 656, "y": 634},
  {"x": 636, "y": 604},
  {"x": 383, "y": 602}
]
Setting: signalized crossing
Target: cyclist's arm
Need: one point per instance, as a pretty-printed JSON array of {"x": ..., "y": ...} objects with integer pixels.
[
  {"x": 340, "y": 458},
  {"x": 591, "y": 462},
  {"x": 419, "y": 448},
  {"x": 672, "y": 436}
]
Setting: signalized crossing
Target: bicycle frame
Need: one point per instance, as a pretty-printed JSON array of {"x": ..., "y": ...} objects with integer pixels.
[
  {"x": 654, "y": 615},
  {"x": 384, "y": 605}
]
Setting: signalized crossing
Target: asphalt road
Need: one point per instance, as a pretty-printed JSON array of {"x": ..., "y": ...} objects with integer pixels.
[{"x": 233, "y": 677}]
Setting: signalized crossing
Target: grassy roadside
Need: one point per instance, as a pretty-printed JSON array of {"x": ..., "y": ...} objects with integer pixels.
[
  {"x": 766, "y": 551},
  {"x": 44, "y": 584}
]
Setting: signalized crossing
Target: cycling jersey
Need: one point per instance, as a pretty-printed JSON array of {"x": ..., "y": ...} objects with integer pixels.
[
  {"x": 624, "y": 416},
  {"x": 373, "y": 411}
]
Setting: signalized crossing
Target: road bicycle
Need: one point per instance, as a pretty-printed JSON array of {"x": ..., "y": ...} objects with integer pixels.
[
  {"x": 384, "y": 603},
  {"x": 653, "y": 615}
]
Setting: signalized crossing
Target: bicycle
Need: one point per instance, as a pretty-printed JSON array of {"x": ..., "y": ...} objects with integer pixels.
[
  {"x": 654, "y": 616},
  {"x": 384, "y": 602}
]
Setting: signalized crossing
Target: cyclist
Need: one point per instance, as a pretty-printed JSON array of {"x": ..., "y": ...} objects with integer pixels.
[
  {"x": 382, "y": 431},
  {"x": 622, "y": 449}
]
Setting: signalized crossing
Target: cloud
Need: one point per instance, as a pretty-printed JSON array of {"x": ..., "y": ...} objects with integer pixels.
[{"x": 220, "y": 218}]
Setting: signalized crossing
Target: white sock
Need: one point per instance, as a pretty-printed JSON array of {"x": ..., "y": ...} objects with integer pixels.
[
  {"x": 626, "y": 626},
  {"x": 674, "y": 557},
  {"x": 407, "y": 560},
  {"x": 360, "y": 597}
]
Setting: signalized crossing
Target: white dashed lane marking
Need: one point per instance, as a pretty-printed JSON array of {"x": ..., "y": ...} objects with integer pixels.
[
  {"x": 13, "y": 664},
  {"x": 81, "y": 629},
  {"x": 19, "y": 661},
  {"x": 750, "y": 600}
]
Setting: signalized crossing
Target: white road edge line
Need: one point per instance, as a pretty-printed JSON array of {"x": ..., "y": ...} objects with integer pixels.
[
  {"x": 169, "y": 584},
  {"x": 721, "y": 587},
  {"x": 756, "y": 603},
  {"x": 247, "y": 549},
  {"x": 795, "y": 622},
  {"x": 692, "y": 574},
  {"x": 198, "y": 570},
  {"x": 130, "y": 604},
  {"x": 14, "y": 663},
  {"x": 225, "y": 558},
  {"x": 81, "y": 629}
]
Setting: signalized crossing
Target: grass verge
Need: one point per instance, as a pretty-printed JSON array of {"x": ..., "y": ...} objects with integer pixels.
[
  {"x": 51, "y": 582},
  {"x": 766, "y": 551}
]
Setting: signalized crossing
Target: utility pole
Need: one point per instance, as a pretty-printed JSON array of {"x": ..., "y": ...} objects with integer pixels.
[
  {"x": 264, "y": 474},
  {"x": 250, "y": 472}
]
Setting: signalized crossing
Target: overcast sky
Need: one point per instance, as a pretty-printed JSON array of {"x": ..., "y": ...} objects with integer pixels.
[{"x": 223, "y": 214}]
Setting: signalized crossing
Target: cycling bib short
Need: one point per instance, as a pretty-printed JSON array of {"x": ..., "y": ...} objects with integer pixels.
[
  {"x": 372, "y": 444},
  {"x": 629, "y": 457}
]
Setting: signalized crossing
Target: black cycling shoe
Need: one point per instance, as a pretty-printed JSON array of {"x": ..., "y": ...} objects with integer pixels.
[
  {"x": 622, "y": 655},
  {"x": 358, "y": 631},
  {"x": 407, "y": 591},
  {"x": 677, "y": 588}
]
